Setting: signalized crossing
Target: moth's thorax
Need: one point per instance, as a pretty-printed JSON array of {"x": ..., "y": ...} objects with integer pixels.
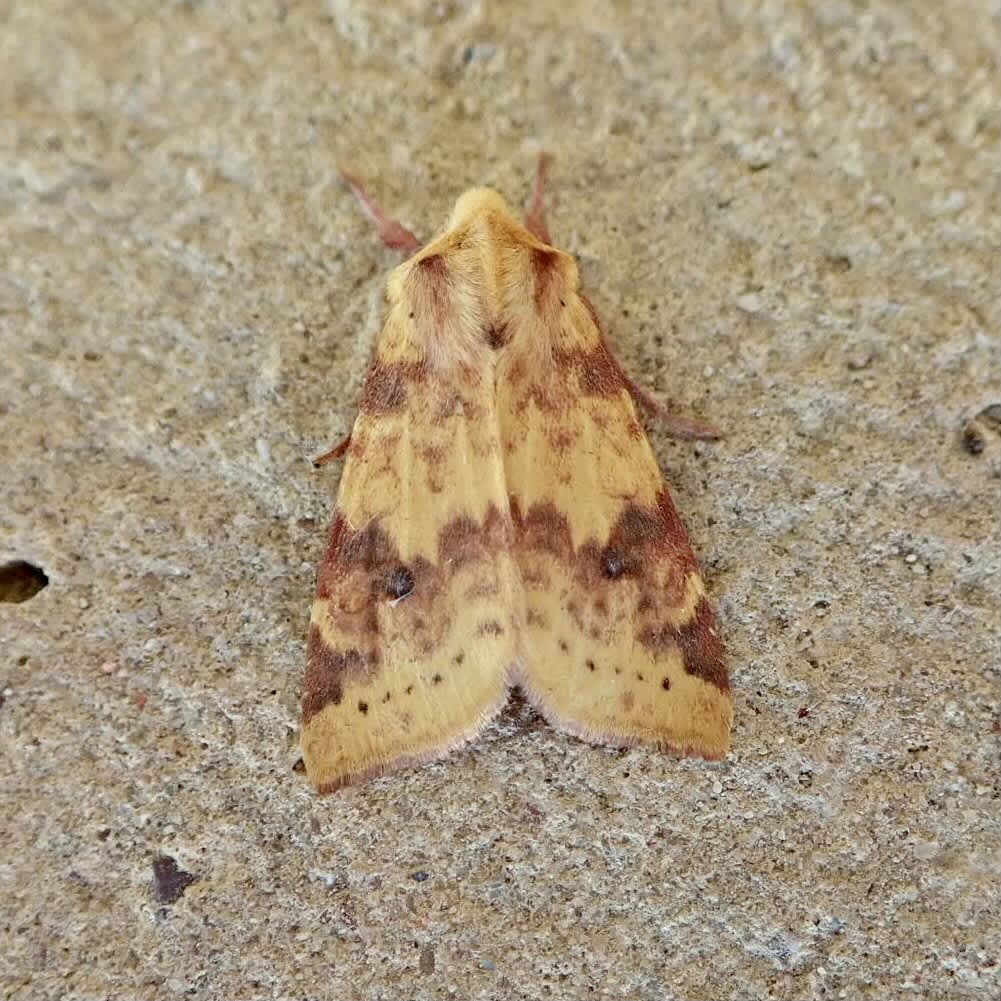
[
  {"x": 484, "y": 287},
  {"x": 478, "y": 205},
  {"x": 482, "y": 233},
  {"x": 479, "y": 202}
]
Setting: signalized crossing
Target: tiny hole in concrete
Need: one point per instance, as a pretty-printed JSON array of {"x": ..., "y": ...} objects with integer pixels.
[{"x": 20, "y": 581}]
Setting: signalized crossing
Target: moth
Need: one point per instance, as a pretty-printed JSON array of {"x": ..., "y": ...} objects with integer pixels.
[{"x": 502, "y": 521}]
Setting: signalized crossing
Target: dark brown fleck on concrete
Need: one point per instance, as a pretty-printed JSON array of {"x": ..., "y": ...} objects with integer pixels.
[{"x": 169, "y": 880}]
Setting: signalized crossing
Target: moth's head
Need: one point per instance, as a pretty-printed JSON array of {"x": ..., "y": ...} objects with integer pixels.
[{"x": 475, "y": 202}]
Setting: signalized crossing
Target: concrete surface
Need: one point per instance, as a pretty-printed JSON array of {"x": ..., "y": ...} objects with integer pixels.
[{"x": 787, "y": 214}]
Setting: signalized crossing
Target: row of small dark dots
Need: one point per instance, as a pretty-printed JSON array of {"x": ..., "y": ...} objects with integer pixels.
[
  {"x": 435, "y": 680},
  {"x": 591, "y": 666}
]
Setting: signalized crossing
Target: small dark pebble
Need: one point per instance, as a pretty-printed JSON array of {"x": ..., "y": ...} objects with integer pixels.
[
  {"x": 976, "y": 430},
  {"x": 973, "y": 440},
  {"x": 170, "y": 881},
  {"x": 420, "y": 876}
]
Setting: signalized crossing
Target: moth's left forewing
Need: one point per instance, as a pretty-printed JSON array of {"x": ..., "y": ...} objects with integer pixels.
[
  {"x": 622, "y": 644},
  {"x": 417, "y": 617}
]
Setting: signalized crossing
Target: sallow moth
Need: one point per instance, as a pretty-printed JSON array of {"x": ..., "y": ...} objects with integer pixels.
[{"x": 502, "y": 521}]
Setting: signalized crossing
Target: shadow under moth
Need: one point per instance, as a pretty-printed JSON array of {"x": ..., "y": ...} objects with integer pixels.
[{"x": 502, "y": 521}]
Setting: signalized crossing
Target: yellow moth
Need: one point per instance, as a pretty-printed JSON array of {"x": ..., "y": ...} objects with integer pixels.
[{"x": 502, "y": 521}]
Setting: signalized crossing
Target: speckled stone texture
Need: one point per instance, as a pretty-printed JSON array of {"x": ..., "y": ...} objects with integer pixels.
[{"x": 787, "y": 214}]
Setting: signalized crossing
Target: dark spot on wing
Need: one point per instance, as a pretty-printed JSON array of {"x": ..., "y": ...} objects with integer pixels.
[
  {"x": 497, "y": 335},
  {"x": 400, "y": 583},
  {"x": 612, "y": 564}
]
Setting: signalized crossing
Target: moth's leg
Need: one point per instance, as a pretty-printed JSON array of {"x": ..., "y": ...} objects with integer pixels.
[
  {"x": 393, "y": 233},
  {"x": 676, "y": 425},
  {"x": 535, "y": 218},
  {"x": 337, "y": 452},
  {"x": 679, "y": 426}
]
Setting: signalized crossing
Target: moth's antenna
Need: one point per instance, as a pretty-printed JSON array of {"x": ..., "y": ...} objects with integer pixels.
[
  {"x": 394, "y": 234},
  {"x": 535, "y": 218}
]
